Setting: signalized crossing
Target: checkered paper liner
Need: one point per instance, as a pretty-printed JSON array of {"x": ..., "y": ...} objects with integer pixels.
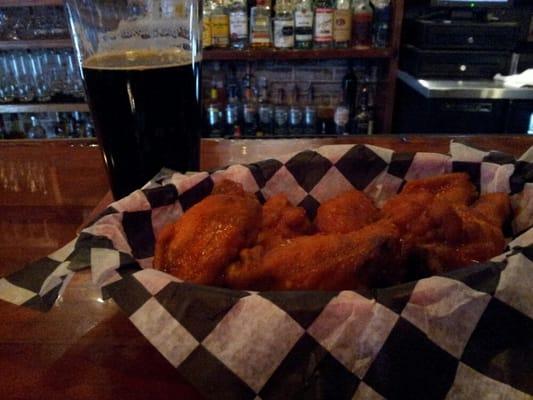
[{"x": 467, "y": 334}]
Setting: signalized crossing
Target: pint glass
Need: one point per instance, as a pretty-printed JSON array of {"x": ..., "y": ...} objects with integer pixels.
[{"x": 140, "y": 61}]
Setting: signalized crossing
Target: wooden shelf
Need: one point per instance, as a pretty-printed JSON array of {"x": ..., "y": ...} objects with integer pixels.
[
  {"x": 294, "y": 54},
  {"x": 30, "y": 3},
  {"x": 43, "y": 107},
  {"x": 35, "y": 44}
]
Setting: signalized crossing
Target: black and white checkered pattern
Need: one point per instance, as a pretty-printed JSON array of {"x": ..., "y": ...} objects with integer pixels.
[
  {"x": 465, "y": 335},
  {"x": 39, "y": 284}
]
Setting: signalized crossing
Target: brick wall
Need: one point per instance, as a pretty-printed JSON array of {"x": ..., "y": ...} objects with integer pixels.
[{"x": 325, "y": 75}]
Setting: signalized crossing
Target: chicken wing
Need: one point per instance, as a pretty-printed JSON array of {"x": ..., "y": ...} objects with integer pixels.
[
  {"x": 452, "y": 188},
  {"x": 208, "y": 237},
  {"x": 281, "y": 220},
  {"x": 409, "y": 213},
  {"x": 495, "y": 208},
  {"x": 346, "y": 213},
  {"x": 463, "y": 237},
  {"x": 422, "y": 202},
  {"x": 439, "y": 228},
  {"x": 227, "y": 186},
  {"x": 321, "y": 262}
]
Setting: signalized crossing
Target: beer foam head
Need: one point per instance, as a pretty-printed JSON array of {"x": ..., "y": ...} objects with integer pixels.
[
  {"x": 139, "y": 59},
  {"x": 150, "y": 42}
]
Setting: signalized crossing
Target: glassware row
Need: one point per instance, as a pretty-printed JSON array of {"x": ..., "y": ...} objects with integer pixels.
[{"x": 39, "y": 75}]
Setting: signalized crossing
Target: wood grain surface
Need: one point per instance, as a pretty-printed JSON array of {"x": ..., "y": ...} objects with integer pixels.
[
  {"x": 85, "y": 348},
  {"x": 216, "y": 153}
]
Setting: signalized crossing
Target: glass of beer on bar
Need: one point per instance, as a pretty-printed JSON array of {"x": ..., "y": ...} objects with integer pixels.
[{"x": 140, "y": 61}]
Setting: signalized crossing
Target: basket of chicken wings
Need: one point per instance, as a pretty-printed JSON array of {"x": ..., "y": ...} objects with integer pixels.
[{"x": 348, "y": 271}]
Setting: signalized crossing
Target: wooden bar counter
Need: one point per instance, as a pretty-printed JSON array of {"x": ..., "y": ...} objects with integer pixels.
[{"x": 85, "y": 348}]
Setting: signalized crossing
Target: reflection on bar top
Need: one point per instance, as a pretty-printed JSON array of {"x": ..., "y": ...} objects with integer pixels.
[{"x": 465, "y": 89}]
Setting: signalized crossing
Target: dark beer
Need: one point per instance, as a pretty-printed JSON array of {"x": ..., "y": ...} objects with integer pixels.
[{"x": 146, "y": 110}]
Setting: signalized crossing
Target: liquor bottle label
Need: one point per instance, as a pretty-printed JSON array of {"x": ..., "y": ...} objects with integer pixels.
[
  {"x": 265, "y": 115},
  {"x": 232, "y": 114},
  {"x": 260, "y": 33},
  {"x": 220, "y": 29},
  {"x": 238, "y": 25},
  {"x": 362, "y": 127},
  {"x": 310, "y": 116},
  {"x": 303, "y": 25},
  {"x": 206, "y": 31},
  {"x": 295, "y": 116},
  {"x": 324, "y": 24},
  {"x": 342, "y": 116},
  {"x": 284, "y": 33},
  {"x": 281, "y": 116},
  {"x": 213, "y": 115},
  {"x": 250, "y": 113},
  {"x": 342, "y": 26}
]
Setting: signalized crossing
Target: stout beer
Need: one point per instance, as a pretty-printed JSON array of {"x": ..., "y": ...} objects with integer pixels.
[{"x": 146, "y": 109}]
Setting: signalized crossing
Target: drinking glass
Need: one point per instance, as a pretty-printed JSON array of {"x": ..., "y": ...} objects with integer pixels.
[
  {"x": 24, "y": 88},
  {"x": 57, "y": 72},
  {"x": 7, "y": 80},
  {"x": 3, "y": 24},
  {"x": 73, "y": 85},
  {"x": 141, "y": 73},
  {"x": 41, "y": 79}
]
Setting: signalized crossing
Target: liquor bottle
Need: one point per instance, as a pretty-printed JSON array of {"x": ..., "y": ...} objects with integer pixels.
[
  {"x": 25, "y": 122},
  {"x": 232, "y": 83},
  {"x": 2, "y": 128},
  {"x": 261, "y": 25},
  {"x": 372, "y": 82},
  {"x": 47, "y": 121},
  {"x": 325, "y": 117},
  {"x": 249, "y": 111},
  {"x": 233, "y": 114},
  {"x": 323, "y": 34},
  {"x": 36, "y": 131},
  {"x": 309, "y": 126},
  {"x": 303, "y": 24},
  {"x": 342, "y": 116},
  {"x": 170, "y": 9},
  {"x": 342, "y": 24},
  {"x": 363, "y": 121},
  {"x": 79, "y": 125},
  {"x": 69, "y": 123},
  {"x": 89, "y": 126},
  {"x": 382, "y": 15},
  {"x": 362, "y": 23},
  {"x": 281, "y": 114},
  {"x": 206, "y": 24},
  {"x": 61, "y": 125},
  {"x": 218, "y": 81},
  {"x": 219, "y": 25},
  {"x": 265, "y": 110},
  {"x": 248, "y": 79},
  {"x": 349, "y": 87},
  {"x": 214, "y": 114},
  {"x": 13, "y": 127},
  {"x": 295, "y": 113},
  {"x": 284, "y": 25},
  {"x": 238, "y": 24}
]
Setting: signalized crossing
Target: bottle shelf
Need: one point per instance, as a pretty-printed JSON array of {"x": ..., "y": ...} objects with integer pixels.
[
  {"x": 30, "y": 3},
  {"x": 44, "y": 107},
  {"x": 294, "y": 54},
  {"x": 35, "y": 44}
]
